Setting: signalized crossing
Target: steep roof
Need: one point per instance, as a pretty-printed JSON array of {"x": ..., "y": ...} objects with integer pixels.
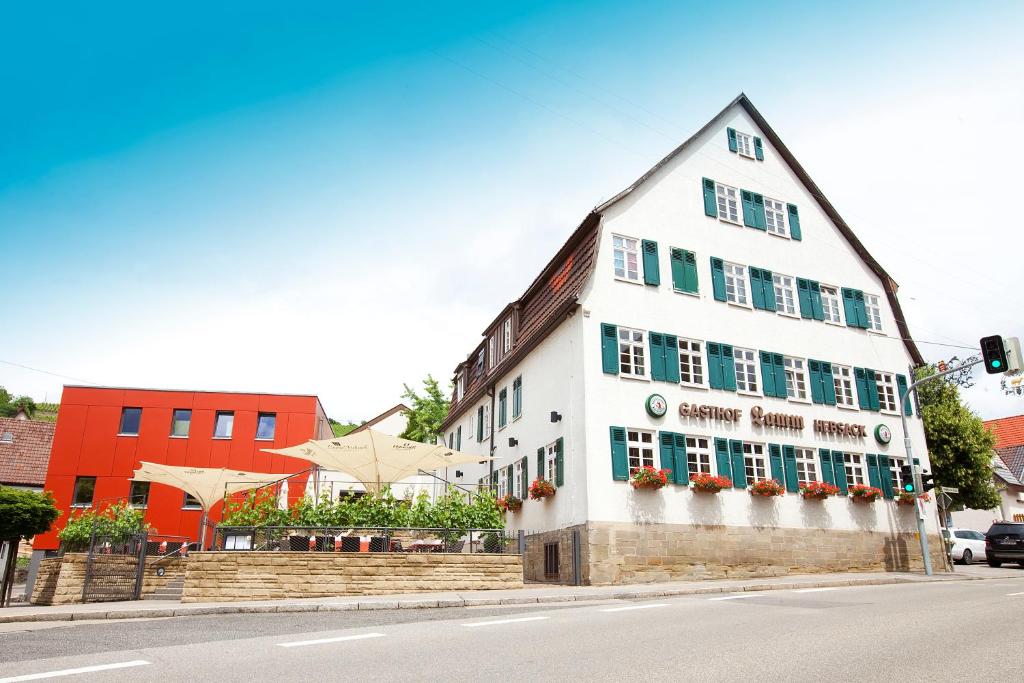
[
  {"x": 1009, "y": 431},
  {"x": 1013, "y": 458},
  {"x": 24, "y": 451},
  {"x": 383, "y": 416}
]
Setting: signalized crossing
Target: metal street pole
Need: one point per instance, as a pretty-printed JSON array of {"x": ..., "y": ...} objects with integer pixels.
[{"x": 922, "y": 536}]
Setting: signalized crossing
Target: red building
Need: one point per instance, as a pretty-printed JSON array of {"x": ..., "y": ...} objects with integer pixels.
[{"x": 103, "y": 433}]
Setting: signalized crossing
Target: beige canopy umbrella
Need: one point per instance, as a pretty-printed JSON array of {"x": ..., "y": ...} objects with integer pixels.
[{"x": 374, "y": 458}]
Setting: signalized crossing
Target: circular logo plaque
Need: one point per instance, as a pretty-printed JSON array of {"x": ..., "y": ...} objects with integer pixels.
[
  {"x": 883, "y": 434},
  {"x": 656, "y": 405}
]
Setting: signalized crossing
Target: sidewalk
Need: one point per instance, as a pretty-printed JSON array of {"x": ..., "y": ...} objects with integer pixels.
[{"x": 530, "y": 594}]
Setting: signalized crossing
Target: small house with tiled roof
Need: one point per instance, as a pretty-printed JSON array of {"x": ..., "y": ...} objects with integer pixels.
[
  {"x": 1009, "y": 431},
  {"x": 24, "y": 451}
]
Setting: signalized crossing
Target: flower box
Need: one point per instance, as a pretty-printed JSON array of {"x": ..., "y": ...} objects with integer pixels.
[
  {"x": 509, "y": 503},
  {"x": 907, "y": 498},
  {"x": 864, "y": 493},
  {"x": 647, "y": 477},
  {"x": 541, "y": 489},
  {"x": 817, "y": 490},
  {"x": 767, "y": 488},
  {"x": 708, "y": 484}
]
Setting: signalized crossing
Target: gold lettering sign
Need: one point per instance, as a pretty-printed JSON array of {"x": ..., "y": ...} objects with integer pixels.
[
  {"x": 762, "y": 419},
  {"x": 705, "y": 412},
  {"x": 841, "y": 428}
]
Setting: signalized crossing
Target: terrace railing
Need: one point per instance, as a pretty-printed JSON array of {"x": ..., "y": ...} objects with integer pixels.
[{"x": 365, "y": 540}]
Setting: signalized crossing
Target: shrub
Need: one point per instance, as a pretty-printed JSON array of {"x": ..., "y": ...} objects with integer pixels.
[{"x": 114, "y": 523}]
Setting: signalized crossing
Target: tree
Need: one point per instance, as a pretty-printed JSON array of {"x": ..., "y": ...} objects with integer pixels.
[
  {"x": 959, "y": 446},
  {"x": 23, "y": 514},
  {"x": 426, "y": 413},
  {"x": 339, "y": 428},
  {"x": 9, "y": 406}
]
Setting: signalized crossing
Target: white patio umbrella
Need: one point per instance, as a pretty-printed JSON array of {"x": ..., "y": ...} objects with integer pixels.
[
  {"x": 374, "y": 458},
  {"x": 282, "y": 496}
]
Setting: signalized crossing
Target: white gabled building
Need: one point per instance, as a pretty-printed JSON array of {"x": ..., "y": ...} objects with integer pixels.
[{"x": 723, "y": 286}]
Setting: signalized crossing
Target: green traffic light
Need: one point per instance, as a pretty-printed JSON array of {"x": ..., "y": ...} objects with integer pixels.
[
  {"x": 996, "y": 363},
  {"x": 909, "y": 488}
]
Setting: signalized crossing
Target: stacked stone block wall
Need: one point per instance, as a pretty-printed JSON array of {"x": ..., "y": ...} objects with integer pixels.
[{"x": 46, "y": 581}]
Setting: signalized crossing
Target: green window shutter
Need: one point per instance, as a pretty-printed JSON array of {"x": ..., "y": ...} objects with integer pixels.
[
  {"x": 715, "y": 379},
  {"x": 862, "y": 311},
  {"x": 839, "y": 468},
  {"x": 680, "y": 473},
  {"x": 872, "y": 387},
  {"x": 794, "y": 222},
  {"x": 756, "y": 288},
  {"x": 620, "y": 461},
  {"x": 502, "y": 407},
  {"x": 652, "y": 272},
  {"x": 510, "y": 473},
  {"x": 827, "y": 473},
  {"x": 722, "y": 458},
  {"x": 480, "y": 423},
  {"x": 540, "y": 462},
  {"x": 789, "y": 465},
  {"x": 728, "y": 368},
  {"x": 803, "y": 292},
  {"x": 767, "y": 373},
  {"x": 758, "y": 149},
  {"x": 749, "y": 215},
  {"x": 560, "y": 462},
  {"x": 850, "y": 307},
  {"x": 690, "y": 283},
  {"x": 731, "y": 132},
  {"x": 739, "y": 471},
  {"x": 768, "y": 283},
  {"x": 828, "y": 385},
  {"x": 885, "y": 474},
  {"x": 458, "y": 438},
  {"x": 671, "y": 358},
  {"x": 525, "y": 481},
  {"x": 873, "y": 477},
  {"x": 780, "y": 375},
  {"x": 710, "y": 202},
  {"x": 667, "y": 449},
  {"x": 609, "y": 349},
  {"x": 817, "y": 310},
  {"x": 657, "y": 344},
  {"x": 863, "y": 397},
  {"x": 494, "y": 478},
  {"x": 901, "y": 387},
  {"x": 718, "y": 278},
  {"x": 676, "y": 261},
  {"x": 517, "y": 397},
  {"x": 775, "y": 460},
  {"x": 817, "y": 393},
  {"x": 760, "y": 220}
]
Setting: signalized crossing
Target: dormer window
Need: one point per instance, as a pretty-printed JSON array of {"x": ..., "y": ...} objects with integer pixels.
[
  {"x": 7, "y": 437},
  {"x": 460, "y": 386}
]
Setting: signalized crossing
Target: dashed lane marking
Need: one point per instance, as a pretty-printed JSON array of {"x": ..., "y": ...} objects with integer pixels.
[
  {"x": 339, "y": 639},
  {"x": 503, "y": 621},
  {"x": 73, "y": 672},
  {"x": 735, "y": 597},
  {"x": 632, "y": 607},
  {"x": 813, "y": 590}
]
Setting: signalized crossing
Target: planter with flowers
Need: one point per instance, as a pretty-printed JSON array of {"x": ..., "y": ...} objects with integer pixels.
[
  {"x": 709, "y": 484},
  {"x": 767, "y": 488},
  {"x": 817, "y": 490},
  {"x": 541, "y": 489},
  {"x": 647, "y": 477},
  {"x": 908, "y": 498},
  {"x": 509, "y": 503},
  {"x": 865, "y": 493}
]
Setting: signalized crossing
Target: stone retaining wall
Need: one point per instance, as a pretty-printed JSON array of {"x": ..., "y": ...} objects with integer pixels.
[
  {"x": 46, "y": 581},
  {"x": 233, "y": 576},
  {"x": 60, "y": 580}
]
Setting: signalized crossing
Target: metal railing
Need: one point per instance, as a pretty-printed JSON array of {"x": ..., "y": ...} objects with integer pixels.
[{"x": 365, "y": 540}]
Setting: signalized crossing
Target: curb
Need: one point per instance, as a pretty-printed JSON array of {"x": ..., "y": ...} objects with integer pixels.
[{"x": 421, "y": 603}]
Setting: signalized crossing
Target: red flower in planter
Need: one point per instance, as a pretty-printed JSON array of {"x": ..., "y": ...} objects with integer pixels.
[
  {"x": 865, "y": 493},
  {"x": 908, "y": 498},
  {"x": 767, "y": 488},
  {"x": 709, "y": 484},
  {"x": 541, "y": 489},
  {"x": 647, "y": 477},
  {"x": 817, "y": 490},
  {"x": 509, "y": 503}
]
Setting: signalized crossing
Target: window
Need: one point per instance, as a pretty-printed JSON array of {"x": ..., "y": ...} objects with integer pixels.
[
  {"x": 502, "y": 407},
  {"x": 551, "y": 462},
  {"x": 830, "y": 304},
  {"x": 486, "y": 423},
  {"x": 854, "y": 468},
  {"x": 785, "y": 294},
  {"x": 138, "y": 494},
  {"x": 130, "y": 418},
  {"x": 626, "y": 254},
  {"x": 458, "y": 438},
  {"x": 223, "y": 424},
  {"x": 517, "y": 481},
  {"x": 506, "y": 335},
  {"x": 746, "y": 370},
  {"x": 640, "y": 448},
  {"x": 842, "y": 377},
  {"x": 894, "y": 468},
  {"x": 691, "y": 362},
  {"x": 796, "y": 378},
  {"x": 478, "y": 367},
  {"x": 735, "y": 283},
  {"x": 744, "y": 144},
  {"x": 698, "y": 455},
  {"x": 491, "y": 346},
  {"x": 460, "y": 386},
  {"x": 728, "y": 203},
  {"x": 7, "y": 437},
  {"x": 265, "y": 425},
  {"x": 502, "y": 483},
  {"x": 775, "y": 216},
  {"x": 887, "y": 396},
  {"x": 806, "y": 465},
  {"x": 874, "y": 312},
  {"x": 85, "y": 487},
  {"x": 631, "y": 352},
  {"x": 517, "y": 397},
  {"x": 190, "y": 502},
  {"x": 754, "y": 464},
  {"x": 181, "y": 421}
]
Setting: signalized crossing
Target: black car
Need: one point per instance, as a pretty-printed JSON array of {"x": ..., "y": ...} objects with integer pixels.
[{"x": 1004, "y": 542}]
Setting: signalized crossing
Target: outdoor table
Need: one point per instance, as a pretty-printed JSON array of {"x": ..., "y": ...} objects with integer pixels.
[{"x": 426, "y": 546}]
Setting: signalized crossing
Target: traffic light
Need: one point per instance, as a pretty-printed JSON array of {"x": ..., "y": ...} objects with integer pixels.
[
  {"x": 927, "y": 481},
  {"x": 907, "y": 477},
  {"x": 993, "y": 351}
]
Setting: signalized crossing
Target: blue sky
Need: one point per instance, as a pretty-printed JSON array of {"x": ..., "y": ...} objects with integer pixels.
[{"x": 247, "y": 197}]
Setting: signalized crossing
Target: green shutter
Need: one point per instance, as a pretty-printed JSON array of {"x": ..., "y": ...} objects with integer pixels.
[
  {"x": 789, "y": 465},
  {"x": 657, "y": 344},
  {"x": 817, "y": 393},
  {"x": 901, "y": 387},
  {"x": 731, "y": 133},
  {"x": 620, "y": 461},
  {"x": 749, "y": 214},
  {"x": 715, "y": 379},
  {"x": 681, "y": 474},
  {"x": 710, "y": 202},
  {"x": 676, "y": 265},
  {"x": 768, "y": 283},
  {"x": 871, "y": 383},
  {"x": 480, "y": 423},
  {"x": 885, "y": 474},
  {"x": 839, "y": 468},
  {"x": 652, "y": 272},
  {"x": 863, "y": 396},
  {"x": 540, "y": 463},
  {"x": 827, "y": 473},
  {"x": 850, "y": 307},
  {"x": 817, "y": 310},
  {"x": 667, "y": 450},
  {"x": 684, "y": 270},
  {"x": 722, "y": 458},
  {"x": 525, "y": 482},
  {"x": 560, "y": 462},
  {"x": 780, "y": 376},
  {"x": 862, "y": 311},
  {"x": 718, "y": 278},
  {"x": 767, "y": 374},
  {"x": 758, "y": 149},
  {"x": 873, "y": 477},
  {"x": 794, "y": 222},
  {"x": 502, "y": 407},
  {"x": 609, "y": 349},
  {"x": 775, "y": 460},
  {"x": 458, "y": 438},
  {"x": 494, "y": 479},
  {"x": 510, "y": 474},
  {"x": 756, "y": 288},
  {"x": 739, "y": 471},
  {"x": 760, "y": 220},
  {"x": 728, "y": 368},
  {"x": 828, "y": 384},
  {"x": 803, "y": 292},
  {"x": 671, "y": 358}
]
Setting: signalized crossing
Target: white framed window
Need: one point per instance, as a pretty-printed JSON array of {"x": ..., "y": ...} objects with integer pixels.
[
  {"x": 796, "y": 378},
  {"x": 755, "y": 465},
  {"x": 785, "y": 294},
  {"x": 486, "y": 424},
  {"x": 460, "y": 386},
  {"x": 874, "y": 312},
  {"x": 842, "y": 378},
  {"x": 744, "y": 144},
  {"x": 502, "y": 483},
  {"x": 775, "y": 217},
  {"x": 506, "y": 335},
  {"x": 887, "y": 397},
  {"x": 478, "y": 367},
  {"x": 831, "y": 305},
  {"x": 698, "y": 455},
  {"x": 735, "y": 283},
  {"x": 895, "y": 464},
  {"x": 491, "y": 347},
  {"x": 517, "y": 480},
  {"x": 746, "y": 370},
  {"x": 551, "y": 461},
  {"x": 806, "y": 465},
  {"x": 640, "y": 448},
  {"x": 728, "y": 203},
  {"x": 626, "y": 255},
  {"x": 631, "y": 352},
  {"x": 854, "y": 468},
  {"x": 691, "y": 362}
]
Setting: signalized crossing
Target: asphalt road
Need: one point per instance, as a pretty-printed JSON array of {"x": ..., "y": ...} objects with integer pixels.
[{"x": 934, "y": 631}]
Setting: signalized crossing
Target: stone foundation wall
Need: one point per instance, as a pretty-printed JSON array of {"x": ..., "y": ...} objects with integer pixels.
[
  {"x": 46, "y": 581},
  {"x": 230, "y": 576},
  {"x": 174, "y": 569},
  {"x": 61, "y": 579},
  {"x": 619, "y": 553},
  {"x": 533, "y": 556}
]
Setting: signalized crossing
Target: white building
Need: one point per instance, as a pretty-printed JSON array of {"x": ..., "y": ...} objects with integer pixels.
[{"x": 723, "y": 286}]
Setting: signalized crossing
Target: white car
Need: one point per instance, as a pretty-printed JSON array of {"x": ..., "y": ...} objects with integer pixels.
[{"x": 964, "y": 545}]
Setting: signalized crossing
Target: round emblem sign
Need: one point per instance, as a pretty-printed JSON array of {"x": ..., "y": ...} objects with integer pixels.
[
  {"x": 656, "y": 405},
  {"x": 883, "y": 434}
]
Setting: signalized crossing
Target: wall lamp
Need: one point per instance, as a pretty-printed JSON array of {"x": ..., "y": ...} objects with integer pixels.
[
  {"x": 458, "y": 474},
  {"x": 512, "y": 443},
  {"x": 555, "y": 417}
]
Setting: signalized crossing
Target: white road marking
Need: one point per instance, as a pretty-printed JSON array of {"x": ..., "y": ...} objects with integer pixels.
[
  {"x": 1010, "y": 594},
  {"x": 813, "y": 590},
  {"x": 735, "y": 597},
  {"x": 73, "y": 672},
  {"x": 625, "y": 609},
  {"x": 339, "y": 639},
  {"x": 503, "y": 621}
]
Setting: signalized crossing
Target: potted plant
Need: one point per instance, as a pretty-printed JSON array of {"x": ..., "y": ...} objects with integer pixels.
[
  {"x": 865, "y": 493},
  {"x": 908, "y": 497},
  {"x": 541, "y": 489},
  {"x": 647, "y": 477},
  {"x": 708, "y": 483},
  {"x": 817, "y": 490},
  {"x": 767, "y": 488},
  {"x": 509, "y": 503}
]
